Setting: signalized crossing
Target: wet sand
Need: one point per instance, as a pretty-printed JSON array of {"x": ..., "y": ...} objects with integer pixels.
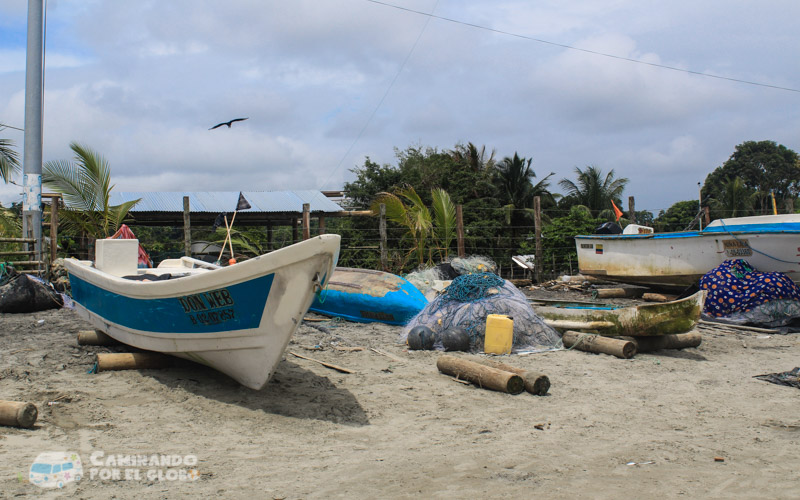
[{"x": 399, "y": 429}]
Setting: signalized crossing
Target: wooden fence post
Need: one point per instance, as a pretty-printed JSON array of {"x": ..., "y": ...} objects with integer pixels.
[
  {"x": 631, "y": 210},
  {"x": 306, "y": 221},
  {"x": 706, "y": 216},
  {"x": 187, "y": 228},
  {"x": 382, "y": 231},
  {"x": 537, "y": 221},
  {"x": 54, "y": 226},
  {"x": 269, "y": 236},
  {"x": 321, "y": 221},
  {"x": 460, "y": 231}
]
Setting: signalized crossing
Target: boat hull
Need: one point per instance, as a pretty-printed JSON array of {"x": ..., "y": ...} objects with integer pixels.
[
  {"x": 237, "y": 320},
  {"x": 365, "y": 295},
  {"x": 677, "y": 260},
  {"x": 663, "y": 318}
]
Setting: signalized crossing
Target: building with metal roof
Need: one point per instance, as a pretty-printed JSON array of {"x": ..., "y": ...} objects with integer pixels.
[{"x": 267, "y": 208}]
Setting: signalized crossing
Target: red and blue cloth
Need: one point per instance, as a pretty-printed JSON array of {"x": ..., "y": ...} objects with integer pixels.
[{"x": 735, "y": 286}]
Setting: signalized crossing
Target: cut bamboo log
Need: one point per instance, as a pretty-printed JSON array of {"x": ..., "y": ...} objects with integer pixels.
[
  {"x": 674, "y": 341},
  {"x": 18, "y": 414},
  {"x": 595, "y": 343},
  {"x": 326, "y": 365},
  {"x": 616, "y": 293},
  {"x": 131, "y": 361},
  {"x": 485, "y": 376},
  {"x": 658, "y": 297},
  {"x": 94, "y": 337},
  {"x": 536, "y": 383}
]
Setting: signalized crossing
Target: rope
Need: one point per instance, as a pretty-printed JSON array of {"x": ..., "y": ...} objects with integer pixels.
[
  {"x": 753, "y": 249},
  {"x": 578, "y": 342}
]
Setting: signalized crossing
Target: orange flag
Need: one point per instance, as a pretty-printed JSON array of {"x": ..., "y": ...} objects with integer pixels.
[{"x": 617, "y": 211}]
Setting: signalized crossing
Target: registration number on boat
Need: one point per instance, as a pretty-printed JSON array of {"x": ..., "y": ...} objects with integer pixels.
[{"x": 737, "y": 248}]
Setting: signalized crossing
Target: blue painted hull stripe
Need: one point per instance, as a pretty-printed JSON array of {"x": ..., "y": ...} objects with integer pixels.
[{"x": 234, "y": 307}]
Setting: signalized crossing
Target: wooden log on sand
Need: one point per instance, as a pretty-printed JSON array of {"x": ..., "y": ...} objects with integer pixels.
[
  {"x": 674, "y": 341},
  {"x": 131, "y": 361},
  {"x": 658, "y": 297},
  {"x": 94, "y": 337},
  {"x": 485, "y": 376},
  {"x": 616, "y": 293},
  {"x": 589, "y": 342},
  {"x": 536, "y": 383},
  {"x": 18, "y": 414}
]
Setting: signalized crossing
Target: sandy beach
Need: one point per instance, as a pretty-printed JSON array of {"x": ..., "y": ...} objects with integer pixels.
[{"x": 669, "y": 424}]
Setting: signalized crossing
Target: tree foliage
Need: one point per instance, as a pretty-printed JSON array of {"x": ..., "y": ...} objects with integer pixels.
[
  {"x": 9, "y": 158},
  {"x": 593, "y": 190},
  {"x": 85, "y": 183},
  {"x": 764, "y": 167},
  {"x": 678, "y": 216}
]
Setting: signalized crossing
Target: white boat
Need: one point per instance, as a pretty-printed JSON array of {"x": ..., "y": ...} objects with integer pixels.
[
  {"x": 236, "y": 319},
  {"x": 676, "y": 260}
]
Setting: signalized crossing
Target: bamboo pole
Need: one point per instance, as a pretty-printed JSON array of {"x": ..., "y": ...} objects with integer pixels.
[
  {"x": 382, "y": 232},
  {"x": 673, "y": 341},
  {"x": 536, "y": 383},
  {"x": 460, "y": 231},
  {"x": 187, "y": 228},
  {"x": 18, "y": 414},
  {"x": 658, "y": 297},
  {"x": 485, "y": 376},
  {"x": 632, "y": 209},
  {"x": 589, "y": 342},
  {"x": 131, "y": 361},
  {"x": 306, "y": 221}
]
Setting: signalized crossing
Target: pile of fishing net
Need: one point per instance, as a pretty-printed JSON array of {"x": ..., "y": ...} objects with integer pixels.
[
  {"x": 428, "y": 279},
  {"x": 467, "y": 302},
  {"x": 739, "y": 293}
]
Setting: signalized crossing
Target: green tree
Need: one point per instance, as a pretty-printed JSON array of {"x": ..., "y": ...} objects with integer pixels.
[
  {"x": 733, "y": 199},
  {"x": 9, "y": 158},
  {"x": 678, "y": 216},
  {"x": 764, "y": 167},
  {"x": 514, "y": 180},
  {"x": 593, "y": 190},
  {"x": 85, "y": 184}
]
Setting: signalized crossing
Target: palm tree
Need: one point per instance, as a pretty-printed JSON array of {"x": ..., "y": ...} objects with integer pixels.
[
  {"x": 594, "y": 191},
  {"x": 473, "y": 157},
  {"x": 734, "y": 199},
  {"x": 416, "y": 217},
  {"x": 85, "y": 184},
  {"x": 515, "y": 181},
  {"x": 9, "y": 159}
]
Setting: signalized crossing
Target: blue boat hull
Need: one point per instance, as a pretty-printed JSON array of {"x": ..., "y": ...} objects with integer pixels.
[{"x": 365, "y": 296}]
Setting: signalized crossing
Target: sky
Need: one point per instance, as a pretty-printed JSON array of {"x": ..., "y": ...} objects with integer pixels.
[{"x": 619, "y": 84}]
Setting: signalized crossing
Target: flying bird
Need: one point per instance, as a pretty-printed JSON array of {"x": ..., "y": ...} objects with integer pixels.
[{"x": 228, "y": 123}]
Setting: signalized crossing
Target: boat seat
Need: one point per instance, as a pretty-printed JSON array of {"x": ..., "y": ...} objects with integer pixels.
[{"x": 117, "y": 257}]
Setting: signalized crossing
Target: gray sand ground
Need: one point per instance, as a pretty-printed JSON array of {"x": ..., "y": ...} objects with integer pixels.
[{"x": 399, "y": 429}]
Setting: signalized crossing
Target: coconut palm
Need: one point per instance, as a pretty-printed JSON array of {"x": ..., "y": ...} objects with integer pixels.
[
  {"x": 85, "y": 184},
  {"x": 734, "y": 199},
  {"x": 593, "y": 190},
  {"x": 9, "y": 159},
  {"x": 514, "y": 179},
  {"x": 422, "y": 227}
]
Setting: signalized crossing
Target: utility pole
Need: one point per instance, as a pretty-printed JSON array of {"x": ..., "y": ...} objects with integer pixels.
[{"x": 32, "y": 157}]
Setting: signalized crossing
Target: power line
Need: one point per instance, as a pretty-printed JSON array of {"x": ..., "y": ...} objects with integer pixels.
[{"x": 588, "y": 51}]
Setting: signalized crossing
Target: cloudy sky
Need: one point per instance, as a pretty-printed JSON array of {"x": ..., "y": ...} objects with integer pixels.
[{"x": 327, "y": 83}]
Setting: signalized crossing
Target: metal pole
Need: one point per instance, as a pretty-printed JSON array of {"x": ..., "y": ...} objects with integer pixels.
[{"x": 32, "y": 157}]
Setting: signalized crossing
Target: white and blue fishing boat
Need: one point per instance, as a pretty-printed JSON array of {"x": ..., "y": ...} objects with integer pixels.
[
  {"x": 236, "y": 319},
  {"x": 366, "y": 295},
  {"x": 770, "y": 243}
]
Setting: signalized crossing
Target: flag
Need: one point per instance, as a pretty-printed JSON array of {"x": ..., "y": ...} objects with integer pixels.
[
  {"x": 617, "y": 211},
  {"x": 242, "y": 205},
  {"x": 219, "y": 222}
]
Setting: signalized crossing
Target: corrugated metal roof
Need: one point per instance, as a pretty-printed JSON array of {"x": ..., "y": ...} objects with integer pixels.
[{"x": 225, "y": 201}]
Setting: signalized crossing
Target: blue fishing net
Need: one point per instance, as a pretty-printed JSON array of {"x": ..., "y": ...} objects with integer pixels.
[
  {"x": 739, "y": 293},
  {"x": 471, "y": 298}
]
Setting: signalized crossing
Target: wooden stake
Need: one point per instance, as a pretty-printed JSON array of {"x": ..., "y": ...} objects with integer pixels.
[
  {"x": 94, "y": 337},
  {"x": 131, "y": 361},
  {"x": 658, "y": 297},
  {"x": 536, "y": 383},
  {"x": 485, "y": 376},
  {"x": 595, "y": 343},
  {"x": 326, "y": 365},
  {"x": 674, "y": 341},
  {"x": 18, "y": 414}
]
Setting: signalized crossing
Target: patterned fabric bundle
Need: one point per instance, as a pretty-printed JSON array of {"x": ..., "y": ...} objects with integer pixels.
[{"x": 735, "y": 287}]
